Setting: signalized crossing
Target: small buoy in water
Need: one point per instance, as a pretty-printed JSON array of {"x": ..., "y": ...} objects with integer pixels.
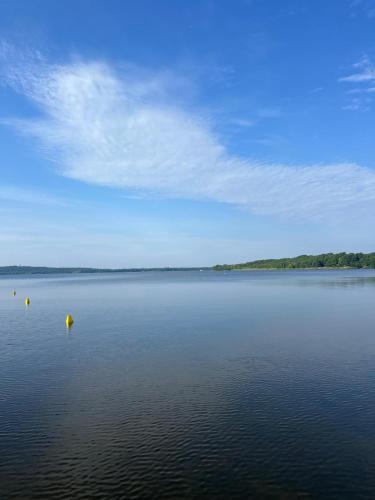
[
  {"x": 14, "y": 293},
  {"x": 69, "y": 320},
  {"x": 27, "y": 301}
]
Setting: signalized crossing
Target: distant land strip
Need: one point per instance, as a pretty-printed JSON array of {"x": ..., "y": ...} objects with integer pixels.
[
  {"x": 341, "y": 260},
  {"x": 325, "y": 260},
  {"x": 4, "y": 270}
]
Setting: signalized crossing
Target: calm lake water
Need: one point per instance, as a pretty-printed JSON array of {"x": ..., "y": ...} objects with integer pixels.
[{"x": 188, "y": 385}]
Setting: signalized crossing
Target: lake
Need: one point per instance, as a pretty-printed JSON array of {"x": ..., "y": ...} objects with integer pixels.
[{"x": 188, "y": 385}]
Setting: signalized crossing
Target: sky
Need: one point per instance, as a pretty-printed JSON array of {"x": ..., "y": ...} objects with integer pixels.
[{"x": 185, "y": 133}]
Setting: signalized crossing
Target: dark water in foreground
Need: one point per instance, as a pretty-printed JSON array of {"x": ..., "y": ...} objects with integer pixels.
[{"x": 189, "y": 385}]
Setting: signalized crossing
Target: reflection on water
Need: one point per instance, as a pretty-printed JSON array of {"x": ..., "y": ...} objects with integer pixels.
[
  {"x": 189, "y": 385},
  {"x": 347, "y": 282}
]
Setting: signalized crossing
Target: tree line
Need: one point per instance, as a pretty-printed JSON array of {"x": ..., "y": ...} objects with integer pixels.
[{"x": 325, "y": 260}]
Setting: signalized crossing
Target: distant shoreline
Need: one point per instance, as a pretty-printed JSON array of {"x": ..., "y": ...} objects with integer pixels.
[
  {"x": 28, "y": 270},
  {"x": 324, "y": 268},
  {"x": 327, "y": 261},
  {"x": 57, "y": 271}
]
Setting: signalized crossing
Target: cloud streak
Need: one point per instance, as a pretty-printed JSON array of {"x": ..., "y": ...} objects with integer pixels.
[
  {"x": 365, "y": 6},
  {"x": 364, "y": 71},
  {"x": 363, "y": 77},
  {"x": 104, "y": 127}
]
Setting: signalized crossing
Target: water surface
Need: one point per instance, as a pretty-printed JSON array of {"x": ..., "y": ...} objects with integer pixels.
[{"x": 188, "y": 385}]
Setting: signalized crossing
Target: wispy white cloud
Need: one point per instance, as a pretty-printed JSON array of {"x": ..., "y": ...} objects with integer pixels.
[
  {"x": 243, "y": 122},
  {"x": 368, "y": 90},
  {"x": 274, "y": 112},
  {"x": 104, "y": 127},
  {"x": 362, "y": 76},
  {"x": 367, "y": 7},
  {"x": 364, "y": 71}
]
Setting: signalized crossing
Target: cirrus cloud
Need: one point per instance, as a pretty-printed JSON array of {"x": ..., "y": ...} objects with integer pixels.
[{"x": 108, "y": 128}]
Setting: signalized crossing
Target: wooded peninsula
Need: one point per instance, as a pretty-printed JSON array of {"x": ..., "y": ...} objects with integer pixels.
[{"x": 325, "y": 260}]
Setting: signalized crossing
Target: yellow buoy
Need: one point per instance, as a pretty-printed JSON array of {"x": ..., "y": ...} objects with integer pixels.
[
  {"x": 69, "y": 320},
  {"x": 14, "y": 293},
  {"x": 27, "y": 301}
]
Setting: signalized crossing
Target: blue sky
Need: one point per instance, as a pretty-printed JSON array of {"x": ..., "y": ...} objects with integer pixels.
[{"x": 156, "y": 133}]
